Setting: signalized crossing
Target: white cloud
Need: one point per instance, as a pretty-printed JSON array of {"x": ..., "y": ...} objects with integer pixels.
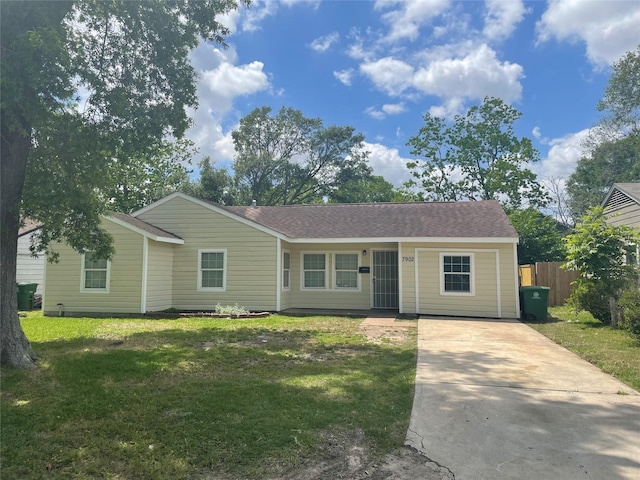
[
  {"x": 322, "y": 44},
  {"x": 405, "y": 22},
  {"x": 608, "y": 28},
  {"x": 388, "y": 163},
  {"x": 388, "y": 74},
  {"x": 393, "y": 108},
  {"x": 344, "y": 76},
  {"x": 449, "y": 109},
  {"x": 502, "y": 17},
  {"x": 220, "y": 83},
  {"x": 373, "y": 112},
  {"x": 563, "y": 156},
  {"x": 475, "y": 76},
  {"x": 387, "y": 109}
]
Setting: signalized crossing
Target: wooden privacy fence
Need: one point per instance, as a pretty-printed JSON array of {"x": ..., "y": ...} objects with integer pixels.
[{"x": 549, "y": 274}]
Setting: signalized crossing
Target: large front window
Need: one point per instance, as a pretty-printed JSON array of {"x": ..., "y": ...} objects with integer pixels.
[
  {"x": 314, "y": 270},
  {"x": 212, "y": 270},
  {"x": 456, "y": 271},
  {"x": 95, "y": 273},
  {"x": 346, "y": 266}
]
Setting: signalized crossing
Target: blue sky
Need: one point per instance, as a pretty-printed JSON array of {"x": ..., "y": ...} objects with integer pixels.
[{"x": 379, "y": 66}]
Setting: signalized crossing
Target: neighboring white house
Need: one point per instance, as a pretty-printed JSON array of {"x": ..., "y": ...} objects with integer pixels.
[
  {"x": 29, "y": 269},
  {"x": 440, "y": 258}
]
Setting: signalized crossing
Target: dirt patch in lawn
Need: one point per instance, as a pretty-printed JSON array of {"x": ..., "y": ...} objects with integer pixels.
[{"x": 345, "y": 455}]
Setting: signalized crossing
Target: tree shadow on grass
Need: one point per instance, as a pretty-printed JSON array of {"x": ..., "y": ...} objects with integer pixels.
[{"x": 175, "y": 403}]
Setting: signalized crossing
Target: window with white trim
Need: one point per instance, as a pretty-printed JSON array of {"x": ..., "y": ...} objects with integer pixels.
[
  {"x": 457, "y": 275},
  {"x": 286, "y": 270},
  {"x": 95, "y": 273},
  {"x": 314, "y": 270},
  {"x": 346, "y": 271},
  {"x": 212, "y": 269}
]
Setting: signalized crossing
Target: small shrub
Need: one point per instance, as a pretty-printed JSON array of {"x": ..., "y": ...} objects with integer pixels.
[
  {"x": 231, "y": 310},
  {"x": 588, "y": 297},
  {"x": 630, "y": 303}
]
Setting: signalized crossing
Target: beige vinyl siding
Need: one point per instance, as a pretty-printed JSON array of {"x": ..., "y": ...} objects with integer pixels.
[
  {"x": 251, "y": 256},
  {"x": 64, "y": 278},
  {"x": 492, "y": 288},
  {"x": 331, "y": 297},
  {"x": 629, "y": 215},
  {"x": 159, "y": 276}
]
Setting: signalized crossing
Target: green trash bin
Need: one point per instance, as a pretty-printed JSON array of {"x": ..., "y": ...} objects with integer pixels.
[
  {"x": 25, "y": 295},
  {"x": 534, "y": 302}
]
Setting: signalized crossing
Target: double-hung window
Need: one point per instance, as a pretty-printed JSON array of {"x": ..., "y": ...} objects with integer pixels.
[
  {"x": 314, "y": 266},
  {"x": 95, "y": 273},
  {"x": 457, "y": 274},
  {"x": 286, "y": 270},
  {"x": 346, "y": 271},
  {"x": 212, "y": 269}
]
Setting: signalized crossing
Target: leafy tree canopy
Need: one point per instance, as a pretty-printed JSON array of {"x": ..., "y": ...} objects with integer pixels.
[
  {"x": 214, "y": 184},
  {"x": 613, "y": 161},
  {"x": 369, "y": 189},
  {"x": 479, "y": 157},
  {"x": 130, "y": 60},
  {"x": 540, "y": 236},
  {"x": 287, "y": 158},
  {"x": 621, "y": 101}
]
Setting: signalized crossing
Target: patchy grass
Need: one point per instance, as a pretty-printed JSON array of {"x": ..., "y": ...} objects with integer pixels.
[
  {"x": 198, "y": 398},
  {"x": 614, "y": 351}
]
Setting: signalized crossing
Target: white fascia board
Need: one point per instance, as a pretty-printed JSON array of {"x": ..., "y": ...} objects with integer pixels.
[
  {"x": 509, "y": 240},
  {"x": 133, "y": 228},
  {"x": 219, "y": 210}
]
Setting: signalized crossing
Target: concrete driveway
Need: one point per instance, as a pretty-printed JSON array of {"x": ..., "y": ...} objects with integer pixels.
[{"x": 496, "y": 400}]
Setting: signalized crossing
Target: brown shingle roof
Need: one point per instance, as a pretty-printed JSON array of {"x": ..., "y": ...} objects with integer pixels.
[
  {"x": 28, "y": 226},
  {"x": 142, "y": 225},
  {"x": 484, "y": 219}
]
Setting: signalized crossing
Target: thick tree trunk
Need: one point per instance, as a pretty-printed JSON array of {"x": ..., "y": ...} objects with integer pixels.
[
  {"x": 614, "y": 312},
  {"x": 15, "y": 349}
]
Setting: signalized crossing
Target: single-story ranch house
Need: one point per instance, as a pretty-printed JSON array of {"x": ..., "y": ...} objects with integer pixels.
[{"x": 448, "y": 258}]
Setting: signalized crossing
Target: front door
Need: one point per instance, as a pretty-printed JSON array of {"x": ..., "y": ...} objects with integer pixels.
[{"x": 385, "y": 279}]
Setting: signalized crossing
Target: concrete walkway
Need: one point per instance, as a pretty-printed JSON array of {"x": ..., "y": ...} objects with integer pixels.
[{"x": 497, "y": 400}]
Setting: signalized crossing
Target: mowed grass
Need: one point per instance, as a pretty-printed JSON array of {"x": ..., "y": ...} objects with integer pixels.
[
  {"x": 614, "y": 351},
  {"x": 198, "y": 398}
]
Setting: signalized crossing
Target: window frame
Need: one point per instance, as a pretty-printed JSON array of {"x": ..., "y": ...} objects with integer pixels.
[
  {"x": 286, "y": 288},
  {"x": 470, "y": 273},
  {"x": 224, "y": 270},
  {"x": 303, "y": 270},
  {"x": 358, "y": 287},
  {"x": 83, "y": 278}
]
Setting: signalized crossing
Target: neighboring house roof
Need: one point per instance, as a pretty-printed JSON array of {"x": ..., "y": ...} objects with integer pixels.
[
  {"x": 144, "y": 228},
  {"x": 484, "y": 219},
  {"x": 28, "y": 227},
  {"x": 622, "y": 195}
]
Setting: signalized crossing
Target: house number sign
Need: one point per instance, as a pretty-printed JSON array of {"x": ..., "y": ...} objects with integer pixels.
[{"x": 408, "y": 259}]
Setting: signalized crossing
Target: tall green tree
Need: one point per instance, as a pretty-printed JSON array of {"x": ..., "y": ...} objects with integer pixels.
[
  {"x": 214, "y": 184},
  {"x": 540, "y": 236},
  {"x": 138, "y": 181},
  {"x": 621, "y": 100},
  {"x": 614, "y": 144},
  {"x": 369, "y": 189},
  {"x": 130, "y": 61},
  {"x": 609, "y": 162},
  {"x": 288, "y": 158},
  {"x": 600, "y": 252},
  {"x": 478, "y": 157}
]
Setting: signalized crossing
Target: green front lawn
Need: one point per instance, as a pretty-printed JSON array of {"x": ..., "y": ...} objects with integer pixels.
[
  {"x": 199, "y": 398},
  {"x": 614, "y": 351}
]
